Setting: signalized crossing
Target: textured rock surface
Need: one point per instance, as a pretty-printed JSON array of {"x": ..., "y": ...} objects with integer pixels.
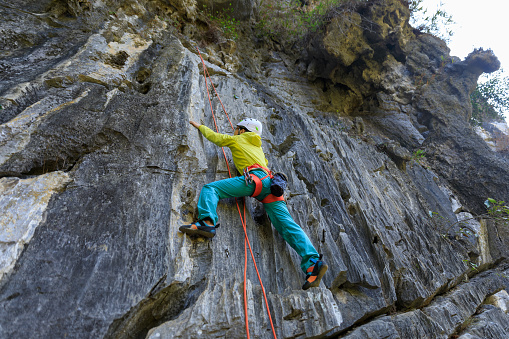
[
  {"x": 95, "y": 143},
  {"x": 445, "y": 315},
  {"x": 496, "y": 135},
  {"x": 23, "y": 203},
  {"x": 490, "y": 323}
]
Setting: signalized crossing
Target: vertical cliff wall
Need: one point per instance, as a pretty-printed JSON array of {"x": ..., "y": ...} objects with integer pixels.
[{"x": 99, "y": 166}]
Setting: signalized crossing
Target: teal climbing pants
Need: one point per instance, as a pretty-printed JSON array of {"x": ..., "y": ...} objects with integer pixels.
[{"x": 277, "y": 211}]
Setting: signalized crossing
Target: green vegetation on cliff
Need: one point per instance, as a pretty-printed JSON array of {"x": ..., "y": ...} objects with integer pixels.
[
  {"x": 437, "y": 23},
  {"x": 490, "y": 98},
  {"x": 282, "y": 20}
]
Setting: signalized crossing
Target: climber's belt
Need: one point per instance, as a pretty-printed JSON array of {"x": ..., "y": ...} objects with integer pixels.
[{"x": 249, "y": 178}]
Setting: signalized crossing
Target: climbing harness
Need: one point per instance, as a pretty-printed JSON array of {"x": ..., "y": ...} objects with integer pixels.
[
  {"x": 242, "y": 217},
  {"x": 258, "y": 184}
]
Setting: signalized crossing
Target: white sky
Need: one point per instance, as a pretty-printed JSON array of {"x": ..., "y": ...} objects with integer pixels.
[
  {"x": 478, "y": 24},
  {"x": 482, "y": 23}
]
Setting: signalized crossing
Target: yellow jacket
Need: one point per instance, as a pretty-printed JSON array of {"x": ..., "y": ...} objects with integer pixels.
[{"x": 246, "y": 148}]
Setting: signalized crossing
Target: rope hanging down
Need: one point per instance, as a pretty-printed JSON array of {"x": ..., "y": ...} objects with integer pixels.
[{"x": 242, "y": 217}]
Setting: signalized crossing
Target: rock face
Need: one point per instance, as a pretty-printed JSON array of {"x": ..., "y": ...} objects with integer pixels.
[
  {"x": 496, "y": 135},
  {"x": 99, "y": 166},
  {"x": 23, "y": 203}
]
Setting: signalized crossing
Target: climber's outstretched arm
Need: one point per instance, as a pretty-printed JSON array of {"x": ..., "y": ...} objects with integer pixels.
[
  {"x": 217, "y": 138},
  {"x": 195, "y": 124}
]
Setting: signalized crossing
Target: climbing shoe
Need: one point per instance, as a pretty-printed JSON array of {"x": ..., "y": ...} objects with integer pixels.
[
  {"x": 315, "y": 273},
  {"x": 199, "y": 228}
]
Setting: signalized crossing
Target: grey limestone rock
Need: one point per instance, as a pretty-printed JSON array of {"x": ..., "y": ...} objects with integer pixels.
[
  {"x": 490, "y": 323},
  {"x": 443, "y": 317},
  {"x": 99, "y": 167}
]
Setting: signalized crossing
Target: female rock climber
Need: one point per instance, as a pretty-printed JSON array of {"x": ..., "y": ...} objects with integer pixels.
[{"x": 246, "y": 147}]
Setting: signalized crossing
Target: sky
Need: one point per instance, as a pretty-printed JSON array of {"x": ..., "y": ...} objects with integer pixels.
[{"x": 477, "y": 24}]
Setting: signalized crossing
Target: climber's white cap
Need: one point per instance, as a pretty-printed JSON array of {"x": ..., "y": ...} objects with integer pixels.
[{"x": 252, "y": 125}]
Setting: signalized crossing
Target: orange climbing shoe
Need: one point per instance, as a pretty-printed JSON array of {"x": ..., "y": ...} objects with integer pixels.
[
  {"x": 199, "y": 228},
  {"x": 315, "y": 273}
]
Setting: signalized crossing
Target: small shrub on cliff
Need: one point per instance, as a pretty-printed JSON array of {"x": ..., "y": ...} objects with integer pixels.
[
  {"x": 224, "y": 20},
  {"x": 496, "y": 210},
  {"x": 289, "y": 20},
  {"x": 418, "y": 155},
  {"x": 473, "y": 266},
  {"x": 437, "y": 23},
  {"x": 490, "y": 99}
]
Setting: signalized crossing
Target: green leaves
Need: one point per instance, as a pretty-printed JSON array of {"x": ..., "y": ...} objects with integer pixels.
[
  {"x": 225, "y": 20},
  {"x": 490, "y": 98},
  {"x": 418, "y": 155},
  {"x": 437, "y": 23},
  {"x": 493, "y": 201},
  {"x": 473, "y": 266},
  {"x": 497, "y": 210},
  {"x": 284, "y": 21}
]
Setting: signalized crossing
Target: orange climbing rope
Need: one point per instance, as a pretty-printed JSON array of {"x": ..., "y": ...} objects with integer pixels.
[{"x": 242, "y": 217}]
